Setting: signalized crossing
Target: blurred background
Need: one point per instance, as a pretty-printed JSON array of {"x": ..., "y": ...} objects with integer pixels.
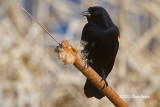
[{"x": 32, "y": 76}]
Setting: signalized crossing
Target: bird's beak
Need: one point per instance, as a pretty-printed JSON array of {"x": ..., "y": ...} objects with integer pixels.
[{"x": 85, "y": 13}]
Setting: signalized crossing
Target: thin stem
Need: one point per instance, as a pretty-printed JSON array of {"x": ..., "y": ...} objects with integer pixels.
[{"x": 39, "y": 23}]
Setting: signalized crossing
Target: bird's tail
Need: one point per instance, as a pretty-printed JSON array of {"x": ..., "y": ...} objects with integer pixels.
[{"x": 91, "y": 91}]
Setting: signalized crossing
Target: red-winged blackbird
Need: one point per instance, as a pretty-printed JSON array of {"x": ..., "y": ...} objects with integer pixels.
[{"x": 101, "y": 36}]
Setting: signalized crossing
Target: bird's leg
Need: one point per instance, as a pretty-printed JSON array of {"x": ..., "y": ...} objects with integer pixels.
[{"x": 104, "y": 78}]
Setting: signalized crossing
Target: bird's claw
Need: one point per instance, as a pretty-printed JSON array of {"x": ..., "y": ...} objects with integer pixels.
[
  {"x": 105, "y": 83},
  {"x": 104, "y": 78}
]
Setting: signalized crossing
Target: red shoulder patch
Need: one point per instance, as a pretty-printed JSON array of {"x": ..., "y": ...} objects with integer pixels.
[{"x": 118, "y": 34}]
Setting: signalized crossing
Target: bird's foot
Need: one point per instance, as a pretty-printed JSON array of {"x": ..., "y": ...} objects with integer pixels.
[
  {"x": 105, "y": 84},
  {"x": 104, "y": 78}
]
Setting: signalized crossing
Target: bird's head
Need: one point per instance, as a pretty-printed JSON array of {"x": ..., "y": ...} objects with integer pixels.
[{"x": 98, "y": 16}]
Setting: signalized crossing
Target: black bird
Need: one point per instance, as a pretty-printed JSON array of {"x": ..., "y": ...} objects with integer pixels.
[{"x": 102, "y": 45}]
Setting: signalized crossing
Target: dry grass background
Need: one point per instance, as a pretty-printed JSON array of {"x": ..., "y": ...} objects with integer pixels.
[{"x": 32, "y": 76}]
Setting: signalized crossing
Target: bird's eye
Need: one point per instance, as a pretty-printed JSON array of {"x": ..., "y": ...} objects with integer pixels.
[{"x": 94, "y": 12}]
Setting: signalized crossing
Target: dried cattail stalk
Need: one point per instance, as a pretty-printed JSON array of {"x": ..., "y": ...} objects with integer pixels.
[{"x": 70, "y": 56}]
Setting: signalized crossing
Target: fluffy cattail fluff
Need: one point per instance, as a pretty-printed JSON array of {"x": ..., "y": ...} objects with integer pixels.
[{"x": 64, "y": 51}]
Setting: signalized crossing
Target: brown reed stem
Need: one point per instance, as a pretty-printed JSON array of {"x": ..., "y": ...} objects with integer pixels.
[{"x": 92, "y": 76}]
